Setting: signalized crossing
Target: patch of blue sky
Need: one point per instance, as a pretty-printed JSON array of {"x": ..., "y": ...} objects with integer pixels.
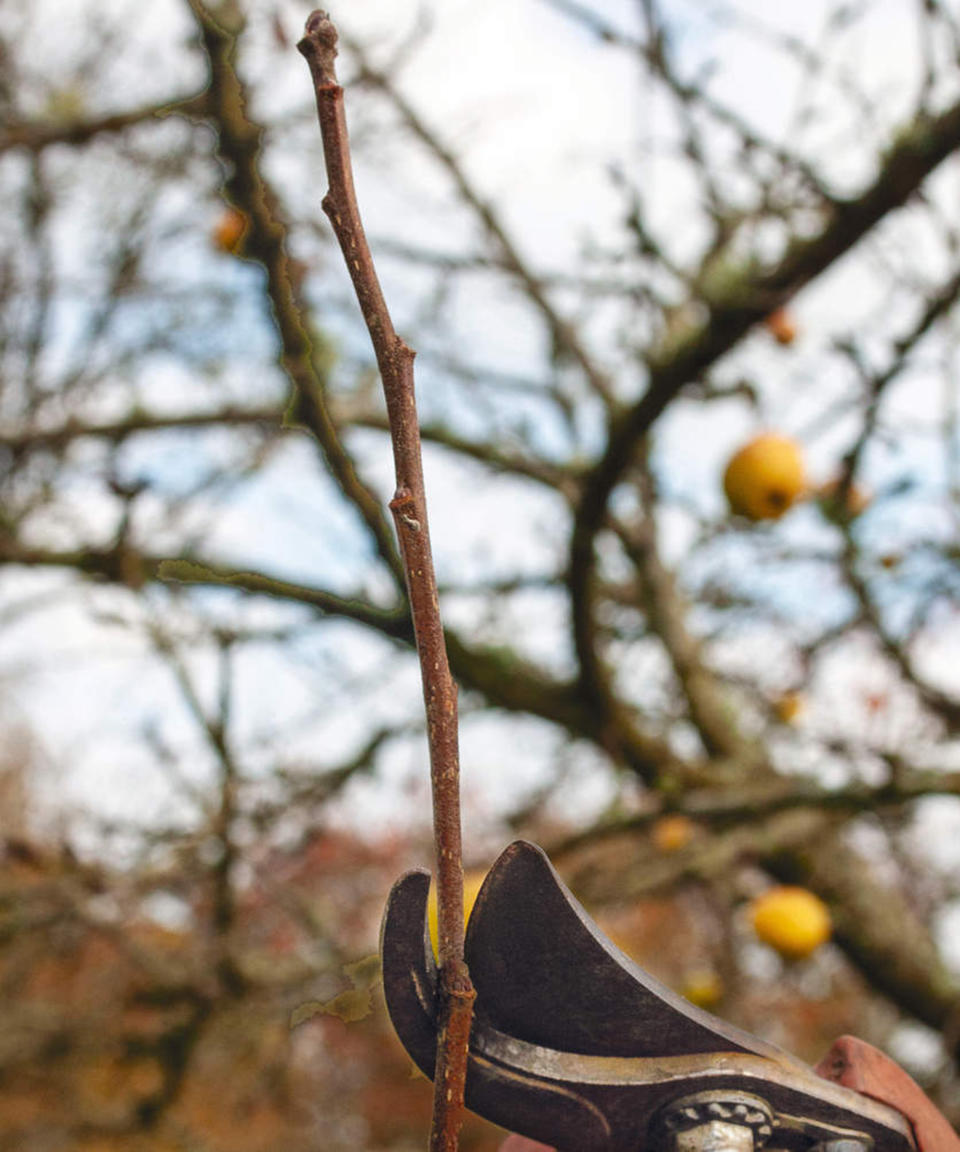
[{"x": 289, "y": 520}]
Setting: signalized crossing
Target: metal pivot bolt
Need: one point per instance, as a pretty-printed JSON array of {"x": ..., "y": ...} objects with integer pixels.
[{"x": 721, "y": 1121}]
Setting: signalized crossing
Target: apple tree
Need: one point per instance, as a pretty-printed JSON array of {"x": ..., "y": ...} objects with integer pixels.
[{"x": 681, "y": 279}]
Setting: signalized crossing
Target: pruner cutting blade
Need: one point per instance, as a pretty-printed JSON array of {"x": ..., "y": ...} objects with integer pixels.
[{"x": 576, "y": 1046}]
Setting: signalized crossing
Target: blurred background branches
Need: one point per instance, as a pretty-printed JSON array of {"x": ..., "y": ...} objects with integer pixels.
[{"x": 683, "y": 285}]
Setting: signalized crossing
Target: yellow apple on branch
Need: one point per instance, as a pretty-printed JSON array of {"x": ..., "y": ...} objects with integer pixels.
[
  {"x": 792, "y": 920},
  {"x": 765, "y": 477}
]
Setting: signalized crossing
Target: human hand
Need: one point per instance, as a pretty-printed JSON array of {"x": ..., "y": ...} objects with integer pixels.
[{"x": 858, "y": 1065}]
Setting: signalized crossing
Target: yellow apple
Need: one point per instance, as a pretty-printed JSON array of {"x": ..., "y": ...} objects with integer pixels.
[
  {"x": 703, "y": 987},
  {"x": 472, "y": 882},
  {"x": 792, "y": 920},
  {"x": 857, "y": 500},
  {"x": 788, "y": 707},
  {"x": 765, "y": 477}
]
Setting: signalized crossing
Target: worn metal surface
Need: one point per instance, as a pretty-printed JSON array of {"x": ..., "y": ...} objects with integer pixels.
[
  {"x": 713, "y": 1122},
  {"x": 576, "y": 1046}
]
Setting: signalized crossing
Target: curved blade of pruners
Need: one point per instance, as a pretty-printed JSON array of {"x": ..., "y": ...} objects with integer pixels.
[{"x": 573, "y": 1044}]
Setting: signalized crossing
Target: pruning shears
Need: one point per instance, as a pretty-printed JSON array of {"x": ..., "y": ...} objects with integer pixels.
[{"x": 576, "y": 1046}]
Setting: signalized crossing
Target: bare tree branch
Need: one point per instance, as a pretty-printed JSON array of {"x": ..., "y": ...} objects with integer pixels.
[
  {"x": 409, "y": 507},
  {"x": 919, "y": 150},
  {"x": 562, "y": 332},
  {"x": 239, "y": 141},
  {"x": 36, "y": 136}
]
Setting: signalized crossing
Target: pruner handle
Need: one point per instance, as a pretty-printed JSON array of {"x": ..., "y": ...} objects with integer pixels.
[
  {"x": 855, "y": 1064},
  {"x": 858, "y": 1065}
]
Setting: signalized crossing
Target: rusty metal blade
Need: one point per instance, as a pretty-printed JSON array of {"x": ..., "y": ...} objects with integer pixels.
[
  {"x": 544, "y": 971},
  {"x": 409, "y": 969},
  {"x": 576, "y": 1046}
]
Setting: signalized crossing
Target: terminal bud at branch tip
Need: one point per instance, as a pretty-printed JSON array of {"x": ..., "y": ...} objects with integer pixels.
[
  {"x": 320, "y": 43},
  {"x": 316, "y": 21}
]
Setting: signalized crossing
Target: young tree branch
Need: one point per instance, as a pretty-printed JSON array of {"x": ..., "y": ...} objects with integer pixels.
[{"x": 395, "y": 361}]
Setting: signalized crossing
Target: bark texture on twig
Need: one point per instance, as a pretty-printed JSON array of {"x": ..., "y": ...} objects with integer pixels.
[{"x": 395, "y": 361}]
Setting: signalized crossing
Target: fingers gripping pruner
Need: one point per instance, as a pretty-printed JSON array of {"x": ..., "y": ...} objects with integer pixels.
[{"x": 574, "y": 1045}]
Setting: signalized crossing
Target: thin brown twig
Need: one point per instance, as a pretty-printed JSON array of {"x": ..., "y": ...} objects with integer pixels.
[
  {"x": 507, "y": 680},
  {"x": 35, "y": 136},
  {"x": 395, "y": 361},
  {"x": 214, "y": 729}
]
